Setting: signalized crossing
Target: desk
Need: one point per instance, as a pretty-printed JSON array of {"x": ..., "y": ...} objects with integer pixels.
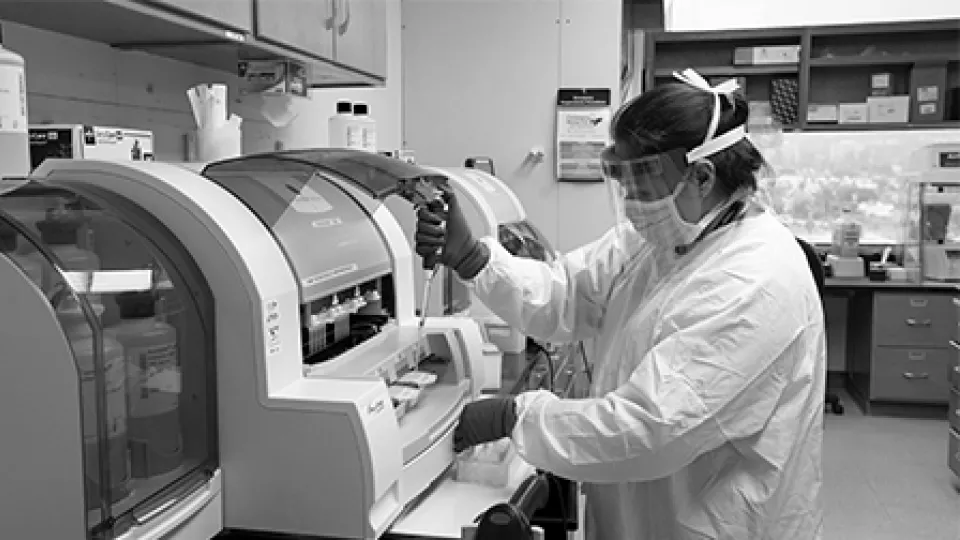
[{"x": 898, "y": 342}]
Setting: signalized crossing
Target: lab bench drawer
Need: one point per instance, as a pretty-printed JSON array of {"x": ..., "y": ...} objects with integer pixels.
[
  {"x": 910, "y": 375},
  {"x": 955, "y": 365},
  {"x": 954, "y": 410},
  {"x": 955, "y": 452},
  {"x": 914, "y": 320}
]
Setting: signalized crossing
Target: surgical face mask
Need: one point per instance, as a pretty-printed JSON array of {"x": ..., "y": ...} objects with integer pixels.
[{"x": 659, "y": 222}]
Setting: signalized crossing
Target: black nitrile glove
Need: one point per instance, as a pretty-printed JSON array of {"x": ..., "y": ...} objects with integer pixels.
[
  {"x": 451, "y": 235},
  {"x": 483, "y": 421}
]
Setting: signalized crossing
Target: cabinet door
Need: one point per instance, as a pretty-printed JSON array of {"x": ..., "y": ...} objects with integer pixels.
[
  {"x": 235, "y": 14},
  {"x": 303, "y": 25},
  {"x": 360, "y": 29}
]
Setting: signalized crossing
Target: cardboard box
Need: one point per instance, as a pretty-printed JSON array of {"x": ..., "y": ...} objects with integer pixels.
[
  {"x": 272, "y": 77},
  {"x": 821, "y": 113},
  {"x": 881, "y": 84},
  {"x": 88, "y": 142},
  {"x": 852, "y": 113},
  {"x": 888, "y": 109},
  {"x": 928, "y": 84},
  {"x": 768, "y": 54}
]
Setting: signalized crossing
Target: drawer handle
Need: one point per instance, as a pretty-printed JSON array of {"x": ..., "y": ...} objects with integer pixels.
[
  {"x": 910, "y": 376},
  {"x": 956, "y": 302},
  {"x": 957, "y": 370},
  {"x": 915, "y": 322},
  {"x": 953, "y": 343},
  {"x": 918, "y": 302},
  {"x": 915, "y": 356}
]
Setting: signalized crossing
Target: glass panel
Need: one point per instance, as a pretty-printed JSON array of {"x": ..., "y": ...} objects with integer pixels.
[
  {"x": 523, "y": 240},
  {"x": 820, "y": 173},
  {"x": 143, "y": 349}
]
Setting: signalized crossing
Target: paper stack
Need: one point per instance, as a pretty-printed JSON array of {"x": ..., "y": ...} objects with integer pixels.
[{"x": 218, "y": 136}]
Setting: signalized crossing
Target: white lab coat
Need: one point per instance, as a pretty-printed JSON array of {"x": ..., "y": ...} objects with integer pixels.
[{"x": 709, "y": 379}]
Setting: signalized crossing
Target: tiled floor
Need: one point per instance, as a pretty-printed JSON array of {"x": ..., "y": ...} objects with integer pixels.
[{"x": 887, "y": 479}]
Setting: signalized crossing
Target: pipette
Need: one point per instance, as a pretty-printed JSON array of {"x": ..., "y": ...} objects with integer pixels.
[{"x": 424, "y": 193}]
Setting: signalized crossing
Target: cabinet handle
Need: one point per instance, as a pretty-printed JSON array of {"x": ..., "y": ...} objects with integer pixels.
[
  {"x": 956, "y": 302},
  {"x": 910, "y": 376},
  {"x": 915, "y": 322},
  {"x": 914, "y": 355},
  {"x": 918, "y": 302},
  {"x": 343, "y": 15},
  {"x": 953, "y": 343},
  {"x": 957, "y": 370}
]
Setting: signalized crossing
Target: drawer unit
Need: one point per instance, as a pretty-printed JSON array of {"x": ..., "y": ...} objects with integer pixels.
[
  {"x": 914, "y": 320},
  {"x": 954, "y": 410},
  {"x": 910, "y": 374},
  {"x": 954, "y": 364},
  {"x": 955, "y": 452}
]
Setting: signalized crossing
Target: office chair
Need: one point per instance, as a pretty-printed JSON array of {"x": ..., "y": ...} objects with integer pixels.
[{"x": 816, "y": 268}]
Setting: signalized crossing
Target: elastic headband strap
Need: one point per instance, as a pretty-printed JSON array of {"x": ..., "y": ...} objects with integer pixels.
[{"x": 724, "y": 90}]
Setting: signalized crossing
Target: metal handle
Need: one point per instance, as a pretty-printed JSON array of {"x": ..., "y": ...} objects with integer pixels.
[
  {"x": 957, "y": 370},
  {"x": 916, "y": 355},
  {"x": 953, "y": 343},
  {"x": 910, "y": 376},
  {"x": 956, "y": 302},
  {"x": 915, "y": 322},
  {"x": 918, "y": 302}
]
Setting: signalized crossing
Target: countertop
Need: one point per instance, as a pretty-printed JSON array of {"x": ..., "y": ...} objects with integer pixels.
[{"x": 864, "y": 283}]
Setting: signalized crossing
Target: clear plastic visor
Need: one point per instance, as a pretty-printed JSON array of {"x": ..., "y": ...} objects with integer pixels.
[{"x": 633, "y": 182}]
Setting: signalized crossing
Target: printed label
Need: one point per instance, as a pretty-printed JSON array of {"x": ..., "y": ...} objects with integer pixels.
[
  {"x": 271, "y": 324},
  {"x": 13, "y": 100},
  {"x": 355, "y": 137}
]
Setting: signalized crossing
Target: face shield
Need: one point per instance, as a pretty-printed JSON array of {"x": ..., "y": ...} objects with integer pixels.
[{"x": 643, "y": 190}]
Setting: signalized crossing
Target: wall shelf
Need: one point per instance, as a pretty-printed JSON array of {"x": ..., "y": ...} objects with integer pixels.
[
  {"x": 836, "y": 67},
  {"x": 883, "y": 60},
  {"x": 814, "y": 126},
  {"x": 732, "y": 71}
]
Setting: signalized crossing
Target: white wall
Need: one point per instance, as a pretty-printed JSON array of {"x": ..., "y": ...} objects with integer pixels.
[
  {"x": 480, "y": 79},
  {"x": 309, "y": 129},
  {"x": 77, "y": 81},
  {"x": 683, "y": 15}
]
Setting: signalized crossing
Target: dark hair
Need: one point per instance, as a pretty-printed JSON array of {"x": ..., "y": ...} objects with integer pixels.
[{"x": 677, "y": 115}]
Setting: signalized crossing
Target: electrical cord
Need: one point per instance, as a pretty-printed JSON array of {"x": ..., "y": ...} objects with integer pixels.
[
  {"x": 551, "y": 369},
  {"x": 587, "y": 367}
]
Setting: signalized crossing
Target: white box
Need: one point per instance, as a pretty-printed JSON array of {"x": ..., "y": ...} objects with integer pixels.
[
  {"x": 852, "y": 113},
  {"x": 888, "y": 109},
  {"x": 769, "y": 54},
  {"x": 820, "y": 112},
  {"x": 76, "y": 141}
]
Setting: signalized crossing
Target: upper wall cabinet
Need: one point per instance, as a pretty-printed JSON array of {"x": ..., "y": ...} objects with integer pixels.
[
  {"x": 235, "y": 14},
  {"x": 303, "y": 25},
  {"x": 360, "y": 34},
  {"x": 220, "y": 33}
]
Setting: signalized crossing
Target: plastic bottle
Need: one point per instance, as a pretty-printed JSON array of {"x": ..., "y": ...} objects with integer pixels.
[
  {"x": 14, "y": 137},
  {"x": 30, "y": 266},
  {"x": 368, "y": 127},
  {"x": 59, "y": 233},
  {"x": 846, "y": 235},
  {"x": 79, "y": 333},
  {"x": 153, "y": 385},
  {"x": 344, "y": 129}
]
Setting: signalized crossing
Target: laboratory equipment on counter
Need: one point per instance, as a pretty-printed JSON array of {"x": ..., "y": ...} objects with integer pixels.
[
  {"x": 290, "y": 289},
  {"x": 844, "y": 257},
  {"x": 933, "y": 226}
]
